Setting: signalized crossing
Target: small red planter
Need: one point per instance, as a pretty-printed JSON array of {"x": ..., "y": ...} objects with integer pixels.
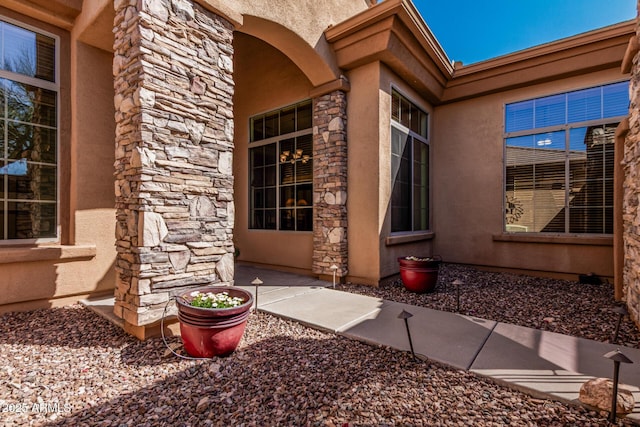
[
  {"x": 209, "y": 332},
  {"x": 419, "y": 274}
]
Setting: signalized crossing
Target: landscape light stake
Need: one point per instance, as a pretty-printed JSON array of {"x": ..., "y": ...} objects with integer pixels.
[
  {"x": 457, "y": 284},
  {"x": 622, "y": 311},
  {"x": 617, "y": 357},
  {"x": 257, "y": 282},
  {"x": 334, "y": 268},
  {"x": 405, "y": 315}
]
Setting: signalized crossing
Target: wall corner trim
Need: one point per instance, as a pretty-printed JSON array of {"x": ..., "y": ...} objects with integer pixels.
[
  {"x": 632, "y": 49},
  {"x": 20, "y": 254},
  {"x": 341, "y": 84}
]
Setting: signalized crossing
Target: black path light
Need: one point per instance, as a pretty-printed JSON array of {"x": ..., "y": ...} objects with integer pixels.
[
  {"x": 405, "y": 315},
  {"x": 617, "y": 357},
  {"x": 257, "y": 282},
  {"x": 622, "y": 311},
  {"x": 457, "y": 283}
]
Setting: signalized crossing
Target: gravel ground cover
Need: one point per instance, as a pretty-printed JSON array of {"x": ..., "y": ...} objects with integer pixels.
[{"x": 69, "y": 367}]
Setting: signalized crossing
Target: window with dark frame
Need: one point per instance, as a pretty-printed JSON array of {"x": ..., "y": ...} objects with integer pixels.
[
  {"x": 28, "y": 134},
  {"x": 559, "y": 161},
  {"x": 409, "y": 166},
  {"x": 281, "y": 169}
]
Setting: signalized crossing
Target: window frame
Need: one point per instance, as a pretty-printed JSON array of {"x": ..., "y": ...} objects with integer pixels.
[
  {"x": 415, "y": 138},
  {"x": 566, "y": 128},
  {"x": 54, "y": 86},
  {"x": 277, "y": 140}
]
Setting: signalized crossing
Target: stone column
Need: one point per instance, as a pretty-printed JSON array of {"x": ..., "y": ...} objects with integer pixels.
[
  {"x": 330, "y": 183},
  {"x": 174, "y": 144},
  {"x": 631, "y": 195}
]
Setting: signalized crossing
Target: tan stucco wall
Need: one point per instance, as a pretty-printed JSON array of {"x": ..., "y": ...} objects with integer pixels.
[
  {"x": 265, "y": 80},
  {"x": 92, "y": 161},
  {"x": 468, "y": 187},
  {"x": 363, "y": 211}
]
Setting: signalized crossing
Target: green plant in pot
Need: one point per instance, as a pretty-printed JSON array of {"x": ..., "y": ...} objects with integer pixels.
[
  {"x": 419, "y": 274},
  {"x": 213, "y": 319}
]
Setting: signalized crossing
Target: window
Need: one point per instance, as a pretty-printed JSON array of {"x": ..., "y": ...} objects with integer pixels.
[
  {"x": 281, "y": 169},
  {"x": 409, "y": 166},
  {"x": 559, "y": 161},
  {"x": 28, "y": 134}
]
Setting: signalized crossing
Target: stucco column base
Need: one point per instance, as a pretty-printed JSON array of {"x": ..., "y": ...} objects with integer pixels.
[{"x": 144, "y": 332}]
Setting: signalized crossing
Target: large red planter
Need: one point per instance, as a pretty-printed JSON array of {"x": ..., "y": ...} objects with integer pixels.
[
  {"x": 209, "y": 332},
  {"x": 420, "y": 274}
]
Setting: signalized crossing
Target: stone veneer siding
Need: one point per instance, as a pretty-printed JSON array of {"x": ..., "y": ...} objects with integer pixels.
[
  {"x": 174, "y": 142},
  {"x": 330, "y": 183},
  {"x": 631, "y": 196}
]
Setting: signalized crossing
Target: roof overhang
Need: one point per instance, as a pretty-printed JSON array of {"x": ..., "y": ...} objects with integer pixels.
[
  {"x": 584, "y": 53},
  {"x": 393, "y": 33}
]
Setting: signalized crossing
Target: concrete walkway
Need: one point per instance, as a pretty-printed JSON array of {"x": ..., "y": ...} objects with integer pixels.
[{"x": 542, "y": 363}]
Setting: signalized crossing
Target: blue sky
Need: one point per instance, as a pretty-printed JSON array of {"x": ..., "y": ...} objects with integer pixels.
[{"x": 474, "y": 30}]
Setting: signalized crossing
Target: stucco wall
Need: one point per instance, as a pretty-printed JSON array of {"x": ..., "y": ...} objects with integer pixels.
[
  {"x": 92, "y": 161},
  {"x": 265, "y": 80},
  {"x": 468, "y": 187},
  {"x": 363, "y": 212}
]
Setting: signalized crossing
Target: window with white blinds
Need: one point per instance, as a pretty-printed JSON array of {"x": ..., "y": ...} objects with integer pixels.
[
  {"x": 559, "y": 153},
  {"x": 28, "y": 134}
]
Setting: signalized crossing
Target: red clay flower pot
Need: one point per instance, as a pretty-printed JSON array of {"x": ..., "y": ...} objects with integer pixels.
[
  {"x": 209, "y": 332},
  {"x": 419, "y": 275}
]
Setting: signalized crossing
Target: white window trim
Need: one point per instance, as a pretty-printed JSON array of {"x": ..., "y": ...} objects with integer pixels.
[{"x": 52, "y": 86}]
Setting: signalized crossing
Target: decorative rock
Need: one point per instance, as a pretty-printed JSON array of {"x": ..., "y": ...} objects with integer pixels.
[
  {"x": 142, "y": 157},
  {"x": 197, "y": 86},
  {"x": 336, "y": 235},
  {"x": 336, "y": 124},
  {"x": 225, "y": 163},
  {"x": 329, "y": 198},
  {"x": 598, "y": 393},
  {"x": 183, "y": 9},
  {"x": 179, "y": 260},
  {"x": 156, "y": 8},
  {"x": 126, "y": 105},
  {"x": 226, "y": 63},
  {"x": 145, "y": 98},
  {"x": 225, "y": 267},
  {"x": 195, "y": 129},
  {"x": 201, "y": 207},
  {"x": 153, "y": 229},
  {"x": 202, "y": 405}
]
